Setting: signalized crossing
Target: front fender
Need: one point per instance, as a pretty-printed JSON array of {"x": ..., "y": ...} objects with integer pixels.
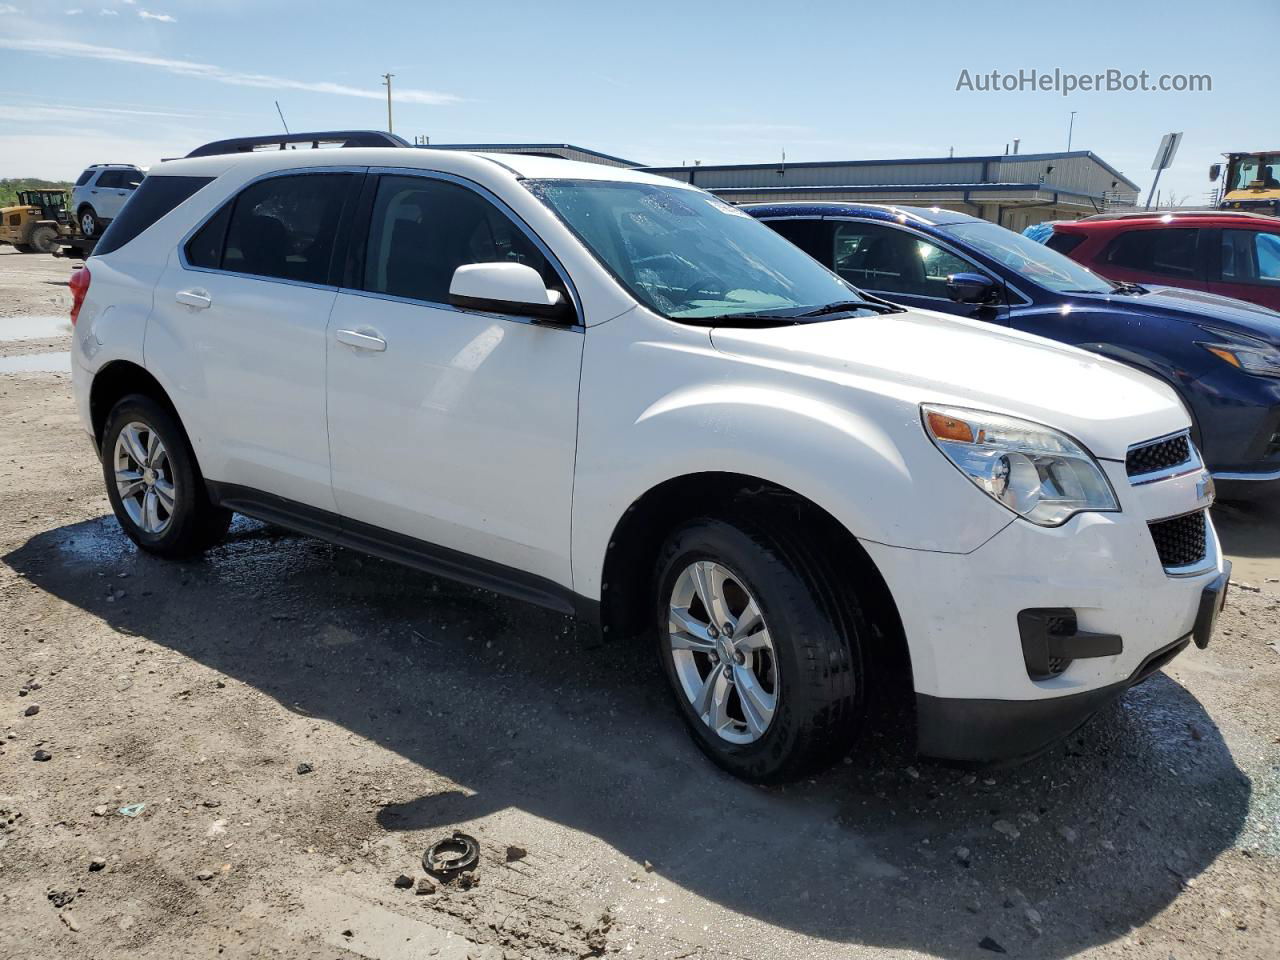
[{"x": 684, "y": 409}]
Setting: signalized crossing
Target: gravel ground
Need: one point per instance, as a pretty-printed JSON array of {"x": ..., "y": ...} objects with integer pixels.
[{"x": 300, "y": 722}]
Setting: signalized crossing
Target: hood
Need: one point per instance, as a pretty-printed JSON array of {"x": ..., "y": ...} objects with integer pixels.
[
  {"x": 1205, "y": 309},
  {"x": 925, "y": 357}
]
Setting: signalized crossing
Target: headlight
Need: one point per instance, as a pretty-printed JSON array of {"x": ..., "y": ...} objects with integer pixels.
[
  {"x": 1251, "y": 356},
  {"x": 1036, "y": 472}
]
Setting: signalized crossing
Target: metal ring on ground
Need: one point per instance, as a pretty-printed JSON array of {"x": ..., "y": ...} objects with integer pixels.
[{"x": 452, "y": 855}]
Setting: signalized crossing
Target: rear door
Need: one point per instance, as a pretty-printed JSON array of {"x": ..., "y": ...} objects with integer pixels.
[
  {"x": 454, "y": 427},
  {"x": 238, "y": 332},
  {"x": 1248, "y": 265},
  {"x": 111, "y": 191}
]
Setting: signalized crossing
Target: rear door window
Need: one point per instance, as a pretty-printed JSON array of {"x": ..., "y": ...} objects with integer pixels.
[
  {"x": 1168, "y": 252},
  {"x": 286, "y": 227}
]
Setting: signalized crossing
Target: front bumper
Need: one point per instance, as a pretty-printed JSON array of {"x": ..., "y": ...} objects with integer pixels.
[
  {"x": 995, "y": 731},
  {"x": 960, "y": 615}
]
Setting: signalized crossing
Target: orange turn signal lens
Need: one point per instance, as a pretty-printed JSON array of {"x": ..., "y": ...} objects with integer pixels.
[
  {"x": 1226, "y": 355},
  {"x": 949, "y": 428}
]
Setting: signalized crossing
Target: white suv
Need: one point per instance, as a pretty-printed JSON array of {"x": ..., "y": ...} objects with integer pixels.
[
  {"x": 621, "y": 398},
  {"x": 101, "y": 192}
]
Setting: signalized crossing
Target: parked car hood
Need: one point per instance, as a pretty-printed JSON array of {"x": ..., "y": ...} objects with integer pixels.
[
  {"x": 921, "y": 356},
  {"x": 1206, "y": 309}
]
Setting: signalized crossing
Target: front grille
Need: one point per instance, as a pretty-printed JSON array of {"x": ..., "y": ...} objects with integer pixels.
[
  {"x": 1180, "y": 541},
  {"x": 1158, "y": 455}
]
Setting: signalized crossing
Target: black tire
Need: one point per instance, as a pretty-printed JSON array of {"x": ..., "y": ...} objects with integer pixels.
[
  {"x": 816, "y": 641},
  {"x": 44, "y": 239},
  {"x": 195, "y": 523},
  {"x": 23, "y": 247},
  {"x": 92, "y": 222}
]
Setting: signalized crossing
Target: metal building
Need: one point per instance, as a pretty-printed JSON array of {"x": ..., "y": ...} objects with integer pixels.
[{"x": 1014, "y": 190}]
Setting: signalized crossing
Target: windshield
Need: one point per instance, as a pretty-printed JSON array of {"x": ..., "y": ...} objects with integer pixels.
[
  {"x": 686, "y": 254},
  {"x": 1029, "y": 259},
  {"x": 1263, "y": 167}
]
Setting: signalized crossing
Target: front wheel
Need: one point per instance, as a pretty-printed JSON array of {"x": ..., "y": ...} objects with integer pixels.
[
  {"x": 44, "y": 239},
  {"x": 89, "y": 223},
  {"x": 154, "y": 483},
  {"x": 763, "y": 664}
]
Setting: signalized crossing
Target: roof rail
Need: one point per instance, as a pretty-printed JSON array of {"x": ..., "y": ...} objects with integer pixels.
[
  {"x": 1147, "y": 214},
  {"x": 282, "y": 141}
]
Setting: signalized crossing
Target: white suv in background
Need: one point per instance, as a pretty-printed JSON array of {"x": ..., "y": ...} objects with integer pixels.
[
  {"x": 619, "y": 397},
  {"x": 100, "y": 193}
]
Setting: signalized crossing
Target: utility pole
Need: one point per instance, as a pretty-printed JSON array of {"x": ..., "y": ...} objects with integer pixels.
[
  {"x": 386, "y": 80},
  {"x": 1071, "y": 129}
]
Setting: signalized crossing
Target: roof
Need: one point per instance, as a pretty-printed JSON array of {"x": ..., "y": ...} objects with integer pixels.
[
  {"x": 926, "y": 216},
  {"x": 514, "y": 164},
  {"x": 1169, "y": 216},
  {"x": 989, "y": 158},
  {"x": 526, "y": 147}
]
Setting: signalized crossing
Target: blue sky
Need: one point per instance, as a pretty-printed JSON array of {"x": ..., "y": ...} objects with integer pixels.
[{"x": 85, "y": 81}]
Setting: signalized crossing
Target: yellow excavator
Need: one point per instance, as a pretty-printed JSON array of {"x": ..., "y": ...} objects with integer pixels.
[
  {"x": 1252, "y": 181},
  {"x": 36, "y": 222}
]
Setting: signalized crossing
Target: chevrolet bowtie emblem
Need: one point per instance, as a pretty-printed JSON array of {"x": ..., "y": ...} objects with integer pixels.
[{"x": 1205, "y": 490}]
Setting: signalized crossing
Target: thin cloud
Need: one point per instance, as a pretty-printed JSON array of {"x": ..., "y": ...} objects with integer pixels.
[
  {"x": 104, "y": 12},
  {"x": 206, "y": 71},
  {"x": 8, "y": 8},
  {"x": 158, "y": 17}
]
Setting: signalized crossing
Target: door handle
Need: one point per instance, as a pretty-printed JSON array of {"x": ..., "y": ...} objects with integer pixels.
[
  {"x": 361, "y": 341},
  {"x": 199, "y": 299}
]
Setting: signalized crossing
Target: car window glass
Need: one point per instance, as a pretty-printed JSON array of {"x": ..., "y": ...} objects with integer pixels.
[
  {"x": 1169, "y": 251},
  {"x": 149, "y": 204},
  {"x": 109, "y": 180},
  {"x": 423, "y": 229},
  {"x": 285, "y": 227},
  {"x": 1064, "y": 242},
  {"x": 85, "y": 178},
  {"x": 1251, "y": 256},
  {"x": 813, "y": 236},
  {"x": 894, "y": 261}
]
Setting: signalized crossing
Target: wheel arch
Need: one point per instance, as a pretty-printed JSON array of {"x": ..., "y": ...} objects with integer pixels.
[
  {"x": 116, "y": 380},
  {"x": 637, "y": 538}
]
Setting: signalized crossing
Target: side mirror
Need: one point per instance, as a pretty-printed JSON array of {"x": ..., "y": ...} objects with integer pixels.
[
  {"x": 1215, "y": 170},
  {"x": 514, "y": 288},
  {"x": 971, "y": 288}
]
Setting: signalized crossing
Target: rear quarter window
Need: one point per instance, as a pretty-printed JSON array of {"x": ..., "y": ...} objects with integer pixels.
[
  {"x": 155, "y": 197},
  {"x": 85, "y": 177},
  {"x": 1064, "y": 243}
]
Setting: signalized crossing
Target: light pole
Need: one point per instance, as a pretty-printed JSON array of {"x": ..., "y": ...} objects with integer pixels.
[
  {"x": 386, "y": 80},
  {"x": 1070, "y": 128}
]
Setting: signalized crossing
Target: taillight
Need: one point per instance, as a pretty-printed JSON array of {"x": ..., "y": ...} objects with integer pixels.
[{"x": 79, "y": 287}]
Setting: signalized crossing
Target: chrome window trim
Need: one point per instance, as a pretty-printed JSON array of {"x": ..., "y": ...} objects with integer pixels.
[
  {"x": 1192, "y": 464},
  {"x": 512, "y": 317}
]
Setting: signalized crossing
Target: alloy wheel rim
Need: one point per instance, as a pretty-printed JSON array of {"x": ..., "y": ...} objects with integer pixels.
[
  {"x": 144, "y": 478},
  {"x": 86, "y": 225},
  {"x": 723, "y": 652}
]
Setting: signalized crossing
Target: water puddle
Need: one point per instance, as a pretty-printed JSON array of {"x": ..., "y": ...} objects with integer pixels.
[
  {"x": 37, "y": 363},
  {"x": 34, "y": 328}
]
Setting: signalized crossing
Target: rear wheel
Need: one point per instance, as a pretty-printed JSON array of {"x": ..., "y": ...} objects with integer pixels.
[
  {"x": 44, "y": 239},
  {"x": 22, "y": 247},
  {"x": 88, "y": 220},
  {"x": 764, "y": 666},
  {"x": 154, "y": 483}
]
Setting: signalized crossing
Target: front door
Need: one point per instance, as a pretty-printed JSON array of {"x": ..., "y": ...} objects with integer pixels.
[{"x": 456, "y": 428}]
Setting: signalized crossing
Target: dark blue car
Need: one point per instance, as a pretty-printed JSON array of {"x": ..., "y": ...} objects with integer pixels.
[{"x": 1222, "y": 356}]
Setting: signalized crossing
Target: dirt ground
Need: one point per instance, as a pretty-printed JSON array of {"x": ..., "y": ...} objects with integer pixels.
[{"x": 300, "y": 722}]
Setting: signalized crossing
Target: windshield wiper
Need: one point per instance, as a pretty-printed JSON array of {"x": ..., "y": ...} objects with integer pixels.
[
  {"x": 843, "y": 305},
  {"x": 1126, "y": 289},
  {"x": 741, "y": 320}
]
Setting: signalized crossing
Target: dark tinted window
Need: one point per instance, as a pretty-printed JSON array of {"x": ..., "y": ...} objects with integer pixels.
[
  {"x": 205, "y": 248},
  {"x": 285, "y": 227},
  {"x": 1251, "y": 256},
  {"x": 1064, "y": 243},
  {"x": 85, "y": 177},
  {"x": 1169, "y": 251},
  {"x": 893, "y": 261},
  {"x": 811, "y": 236},
  {"x": 422, "y": 230},
  {"x": 156, "y": 197}
]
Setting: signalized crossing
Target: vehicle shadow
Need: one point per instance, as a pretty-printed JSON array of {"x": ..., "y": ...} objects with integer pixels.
[
  {"x": 1248, "y": 528},
  {"x": 523, "y": 711}
]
